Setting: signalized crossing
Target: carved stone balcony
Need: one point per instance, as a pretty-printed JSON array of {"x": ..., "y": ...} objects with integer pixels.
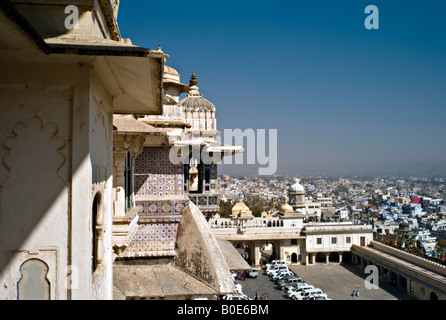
[{"x": 208, "y": 203}]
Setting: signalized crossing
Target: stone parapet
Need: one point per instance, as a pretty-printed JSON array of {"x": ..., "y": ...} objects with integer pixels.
[{"x": 419, "y": 261}]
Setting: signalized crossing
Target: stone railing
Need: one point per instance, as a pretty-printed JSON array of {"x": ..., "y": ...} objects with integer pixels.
[
  {"x": 205, "y": 199},
  {"x": 419, "y": 261},
  {"x": 337, "y": 227},
  {"x": 255, "y": 226},
  {"x": 226, "y": 223}
]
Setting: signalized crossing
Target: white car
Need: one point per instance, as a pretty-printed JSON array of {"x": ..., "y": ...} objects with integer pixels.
[
  {"x": 318, "y": 297},
  {"x": 253, "y": 273},
  {"x": 308, "y": 293},
  {"x": 296, "y": 292},
  {"x": 289, "y": 283},
  {"x": 298, "y": 286},
  {"x": 238, "y": 287},
  {"x": 276, "y": 270},
  {"x": 236, "y": 296},
  {"x": 275, "y": 262},
  {"x": 282, "y": 275}
]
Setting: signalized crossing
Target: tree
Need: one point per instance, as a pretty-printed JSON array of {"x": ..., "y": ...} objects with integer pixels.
[{"x": 225, "y": 209}]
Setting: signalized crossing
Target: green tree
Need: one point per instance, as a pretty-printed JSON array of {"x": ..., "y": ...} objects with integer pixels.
[{"x": 225, "y": 209}]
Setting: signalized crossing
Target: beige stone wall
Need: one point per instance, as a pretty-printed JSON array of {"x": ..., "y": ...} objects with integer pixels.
[{"x": 52, "y": 163}]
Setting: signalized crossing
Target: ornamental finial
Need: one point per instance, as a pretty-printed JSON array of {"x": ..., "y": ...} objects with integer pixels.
[{"x": 193, "y": 80}]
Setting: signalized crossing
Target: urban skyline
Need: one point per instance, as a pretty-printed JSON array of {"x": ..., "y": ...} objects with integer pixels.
[
  {"x": 328, "y": 117},
  {"x": 343, "y": 98}
]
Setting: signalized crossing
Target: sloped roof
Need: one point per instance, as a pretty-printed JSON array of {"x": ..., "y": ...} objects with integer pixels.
[
  {"x": 156, "y": 281},
  {"x": 233, "y": 258}
]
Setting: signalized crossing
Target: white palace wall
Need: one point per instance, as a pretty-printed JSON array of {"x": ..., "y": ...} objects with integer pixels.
[{"x": 55, "y": 156}]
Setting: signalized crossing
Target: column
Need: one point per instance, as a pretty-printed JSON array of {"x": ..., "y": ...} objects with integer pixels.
[
  {"x": 340, "y": 257},
  {"x": 327, "y": 257},
  {"x": 257, "y": 253},
  {"x": 306, "y": 259}
]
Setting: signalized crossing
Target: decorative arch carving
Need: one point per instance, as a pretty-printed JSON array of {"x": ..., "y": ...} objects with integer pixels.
[
  {"x": 34, "y": 283},
  {"x": 37, "y": 146}
]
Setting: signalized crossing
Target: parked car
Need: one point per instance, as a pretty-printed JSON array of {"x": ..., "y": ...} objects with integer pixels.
[
  {"x": 289, "y": 283},
  {"x": 318, "y": 297},
  {"x": 283, "y": 275},
  {"x": 238, "y": 287},
  {"x": 276, "y": 270},
  {"x": 308, "y": 293},
  {"x": 236, "y": 296},
  {"x": 275, "y": 262},
  {"x": 297, "y": 286},
  {"x": 253, "y": 273},
  {"x": 294, "y": 293}
]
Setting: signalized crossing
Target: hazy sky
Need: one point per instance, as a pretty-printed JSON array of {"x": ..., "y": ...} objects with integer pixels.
[{"x": 337, "y": 92}]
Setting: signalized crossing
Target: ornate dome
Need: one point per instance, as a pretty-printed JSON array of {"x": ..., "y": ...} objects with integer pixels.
[
  {"x": 286, "y": 208},
  {"x": 297, "y": 187},
  {"x": 194, "y": 100},
  {"x": 170, "y": 70},
  {"x": 241, "y": 210},
  {"x": 171, "y": 75}
]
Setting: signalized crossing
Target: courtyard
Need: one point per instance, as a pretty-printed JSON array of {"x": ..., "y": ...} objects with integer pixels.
[{"x": 338, "y": 281}]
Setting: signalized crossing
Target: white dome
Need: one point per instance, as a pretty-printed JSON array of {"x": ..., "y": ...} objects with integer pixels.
[{"x": 297, "y": 187}]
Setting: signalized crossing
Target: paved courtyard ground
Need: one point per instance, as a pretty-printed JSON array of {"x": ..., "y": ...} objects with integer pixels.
[{"x": 337, "y": 281}]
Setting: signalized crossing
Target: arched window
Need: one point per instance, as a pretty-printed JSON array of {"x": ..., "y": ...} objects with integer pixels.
[{"x": 33, "y": 285}]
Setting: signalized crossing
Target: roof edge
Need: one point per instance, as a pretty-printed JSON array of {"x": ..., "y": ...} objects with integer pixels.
[{"x": 14, "y": 15}]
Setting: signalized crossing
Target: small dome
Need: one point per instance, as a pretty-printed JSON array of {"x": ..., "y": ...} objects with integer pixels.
[
  {"x": 284, "y": 208},
  {"x": 170, "y": 70},
  {"x": 171, "y": 75},
  {"x": 297, "y": 187},
  {"x": 241, "y": 210},
  {"x": 194, "y": 100}
]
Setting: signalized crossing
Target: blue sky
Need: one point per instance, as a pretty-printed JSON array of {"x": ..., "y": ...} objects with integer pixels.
[{"x": 337, "y": 92}]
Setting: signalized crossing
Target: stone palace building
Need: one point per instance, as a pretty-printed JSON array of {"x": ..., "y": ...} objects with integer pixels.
[{"x": 90, "y": 205}]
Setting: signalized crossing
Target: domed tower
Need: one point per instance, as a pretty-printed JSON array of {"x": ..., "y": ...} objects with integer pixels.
[
  {"x": 200, "y": 173},
  {"x": 198, "y": 112},
  {"x": 289, "y": 217},
  {"x": 173, "y": 88},
  {"x": 296, "y": 195}
]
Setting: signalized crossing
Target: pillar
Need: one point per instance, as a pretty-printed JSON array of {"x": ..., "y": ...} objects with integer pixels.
[
  {"x": 327, "y": 257},
  {"x": 340, "y": 257},
  {"x": 313, "y": 258},
  {"x": 257, "y": 253},
  {"x": 306, "y": 259}
]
